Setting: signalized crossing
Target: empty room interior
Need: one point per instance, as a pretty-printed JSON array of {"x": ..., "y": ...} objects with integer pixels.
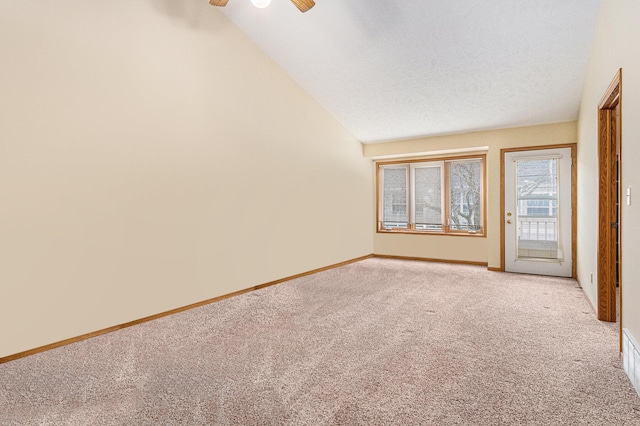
[{"x": 333, "y": 202}]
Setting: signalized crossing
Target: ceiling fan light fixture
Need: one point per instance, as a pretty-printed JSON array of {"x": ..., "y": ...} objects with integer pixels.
[
  {"x": 303, "y": 5},
  {"x": 261, "y": 4}
]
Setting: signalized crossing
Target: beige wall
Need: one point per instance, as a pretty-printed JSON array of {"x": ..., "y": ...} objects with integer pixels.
[
  {"x": 616, "y": 46},
  {"x": 151, "y": 157},
  {"x": 467, "y": 248}
]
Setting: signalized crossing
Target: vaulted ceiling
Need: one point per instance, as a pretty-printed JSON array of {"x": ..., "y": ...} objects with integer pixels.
[{"x": 397, "y": 70}]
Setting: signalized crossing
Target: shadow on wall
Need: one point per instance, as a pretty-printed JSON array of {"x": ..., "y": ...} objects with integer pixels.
[{"x": 195, "y": 14}]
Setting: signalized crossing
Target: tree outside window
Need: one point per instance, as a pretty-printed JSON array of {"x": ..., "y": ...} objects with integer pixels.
[{"x": 465, "y": 190}]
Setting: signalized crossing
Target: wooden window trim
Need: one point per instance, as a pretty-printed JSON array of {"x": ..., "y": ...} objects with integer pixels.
[{"x": 446, "y": 231}]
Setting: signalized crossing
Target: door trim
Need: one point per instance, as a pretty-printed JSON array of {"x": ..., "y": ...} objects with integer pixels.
[
  {"x": 607, "y": 151},
  {"x": 574, "y": 220}
]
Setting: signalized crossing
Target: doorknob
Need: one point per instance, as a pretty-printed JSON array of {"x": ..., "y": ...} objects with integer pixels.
[
  {"x": 509, "y": 214},
  {"x": 509, "y": 221}
]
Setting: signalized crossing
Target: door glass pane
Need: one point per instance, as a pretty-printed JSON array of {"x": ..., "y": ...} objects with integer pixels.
[
  {"x": 428, "y": 198},
  {"x": 464, "y": 196},
  {"x": 394, "y": 193},
  {"x": 537, "y": 208}
]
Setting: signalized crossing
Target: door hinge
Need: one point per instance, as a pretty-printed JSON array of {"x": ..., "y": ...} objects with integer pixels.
[{"x": 614, "y": 225}]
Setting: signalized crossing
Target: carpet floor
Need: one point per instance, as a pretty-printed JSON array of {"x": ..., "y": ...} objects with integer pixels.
[{"x": 377, "y": 342}]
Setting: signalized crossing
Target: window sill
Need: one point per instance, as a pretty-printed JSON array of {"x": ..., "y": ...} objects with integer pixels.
[{"x": 440, "y": 233}]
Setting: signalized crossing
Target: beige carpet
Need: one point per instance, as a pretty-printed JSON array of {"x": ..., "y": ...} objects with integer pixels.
[{"x": 376, "y": 342}]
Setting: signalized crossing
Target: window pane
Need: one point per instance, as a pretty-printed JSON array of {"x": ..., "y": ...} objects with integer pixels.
[
  {"x": 465, "y": 185},
  {"x": 428, "y": 198},
  {"x": 537, "y": 208},
  {"x": 394, "y": 194}
]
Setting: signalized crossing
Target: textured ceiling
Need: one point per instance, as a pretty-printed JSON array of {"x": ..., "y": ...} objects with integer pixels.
[{"x": 395, "y": 70}]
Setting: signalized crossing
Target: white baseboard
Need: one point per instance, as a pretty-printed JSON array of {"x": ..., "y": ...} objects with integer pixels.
[{"x": 631, "y": 359}]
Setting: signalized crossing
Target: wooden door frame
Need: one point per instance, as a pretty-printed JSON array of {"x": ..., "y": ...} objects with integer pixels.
[
  {"x": 574, "y": 198},
  {"x": 607, "y": 193}
]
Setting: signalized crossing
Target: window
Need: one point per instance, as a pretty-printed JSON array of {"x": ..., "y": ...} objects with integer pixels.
[
  {"x": 444, "y": 196},
  {"x": 537, "y": 188}
]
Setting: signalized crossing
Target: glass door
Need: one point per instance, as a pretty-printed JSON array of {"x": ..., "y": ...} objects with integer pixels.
[{"x": 538, "y": 211}]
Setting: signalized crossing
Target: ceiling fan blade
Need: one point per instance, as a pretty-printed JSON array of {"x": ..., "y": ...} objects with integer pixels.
[
  {"x": 220, "y": 3},
  {"x": 303, "y": 5}
]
